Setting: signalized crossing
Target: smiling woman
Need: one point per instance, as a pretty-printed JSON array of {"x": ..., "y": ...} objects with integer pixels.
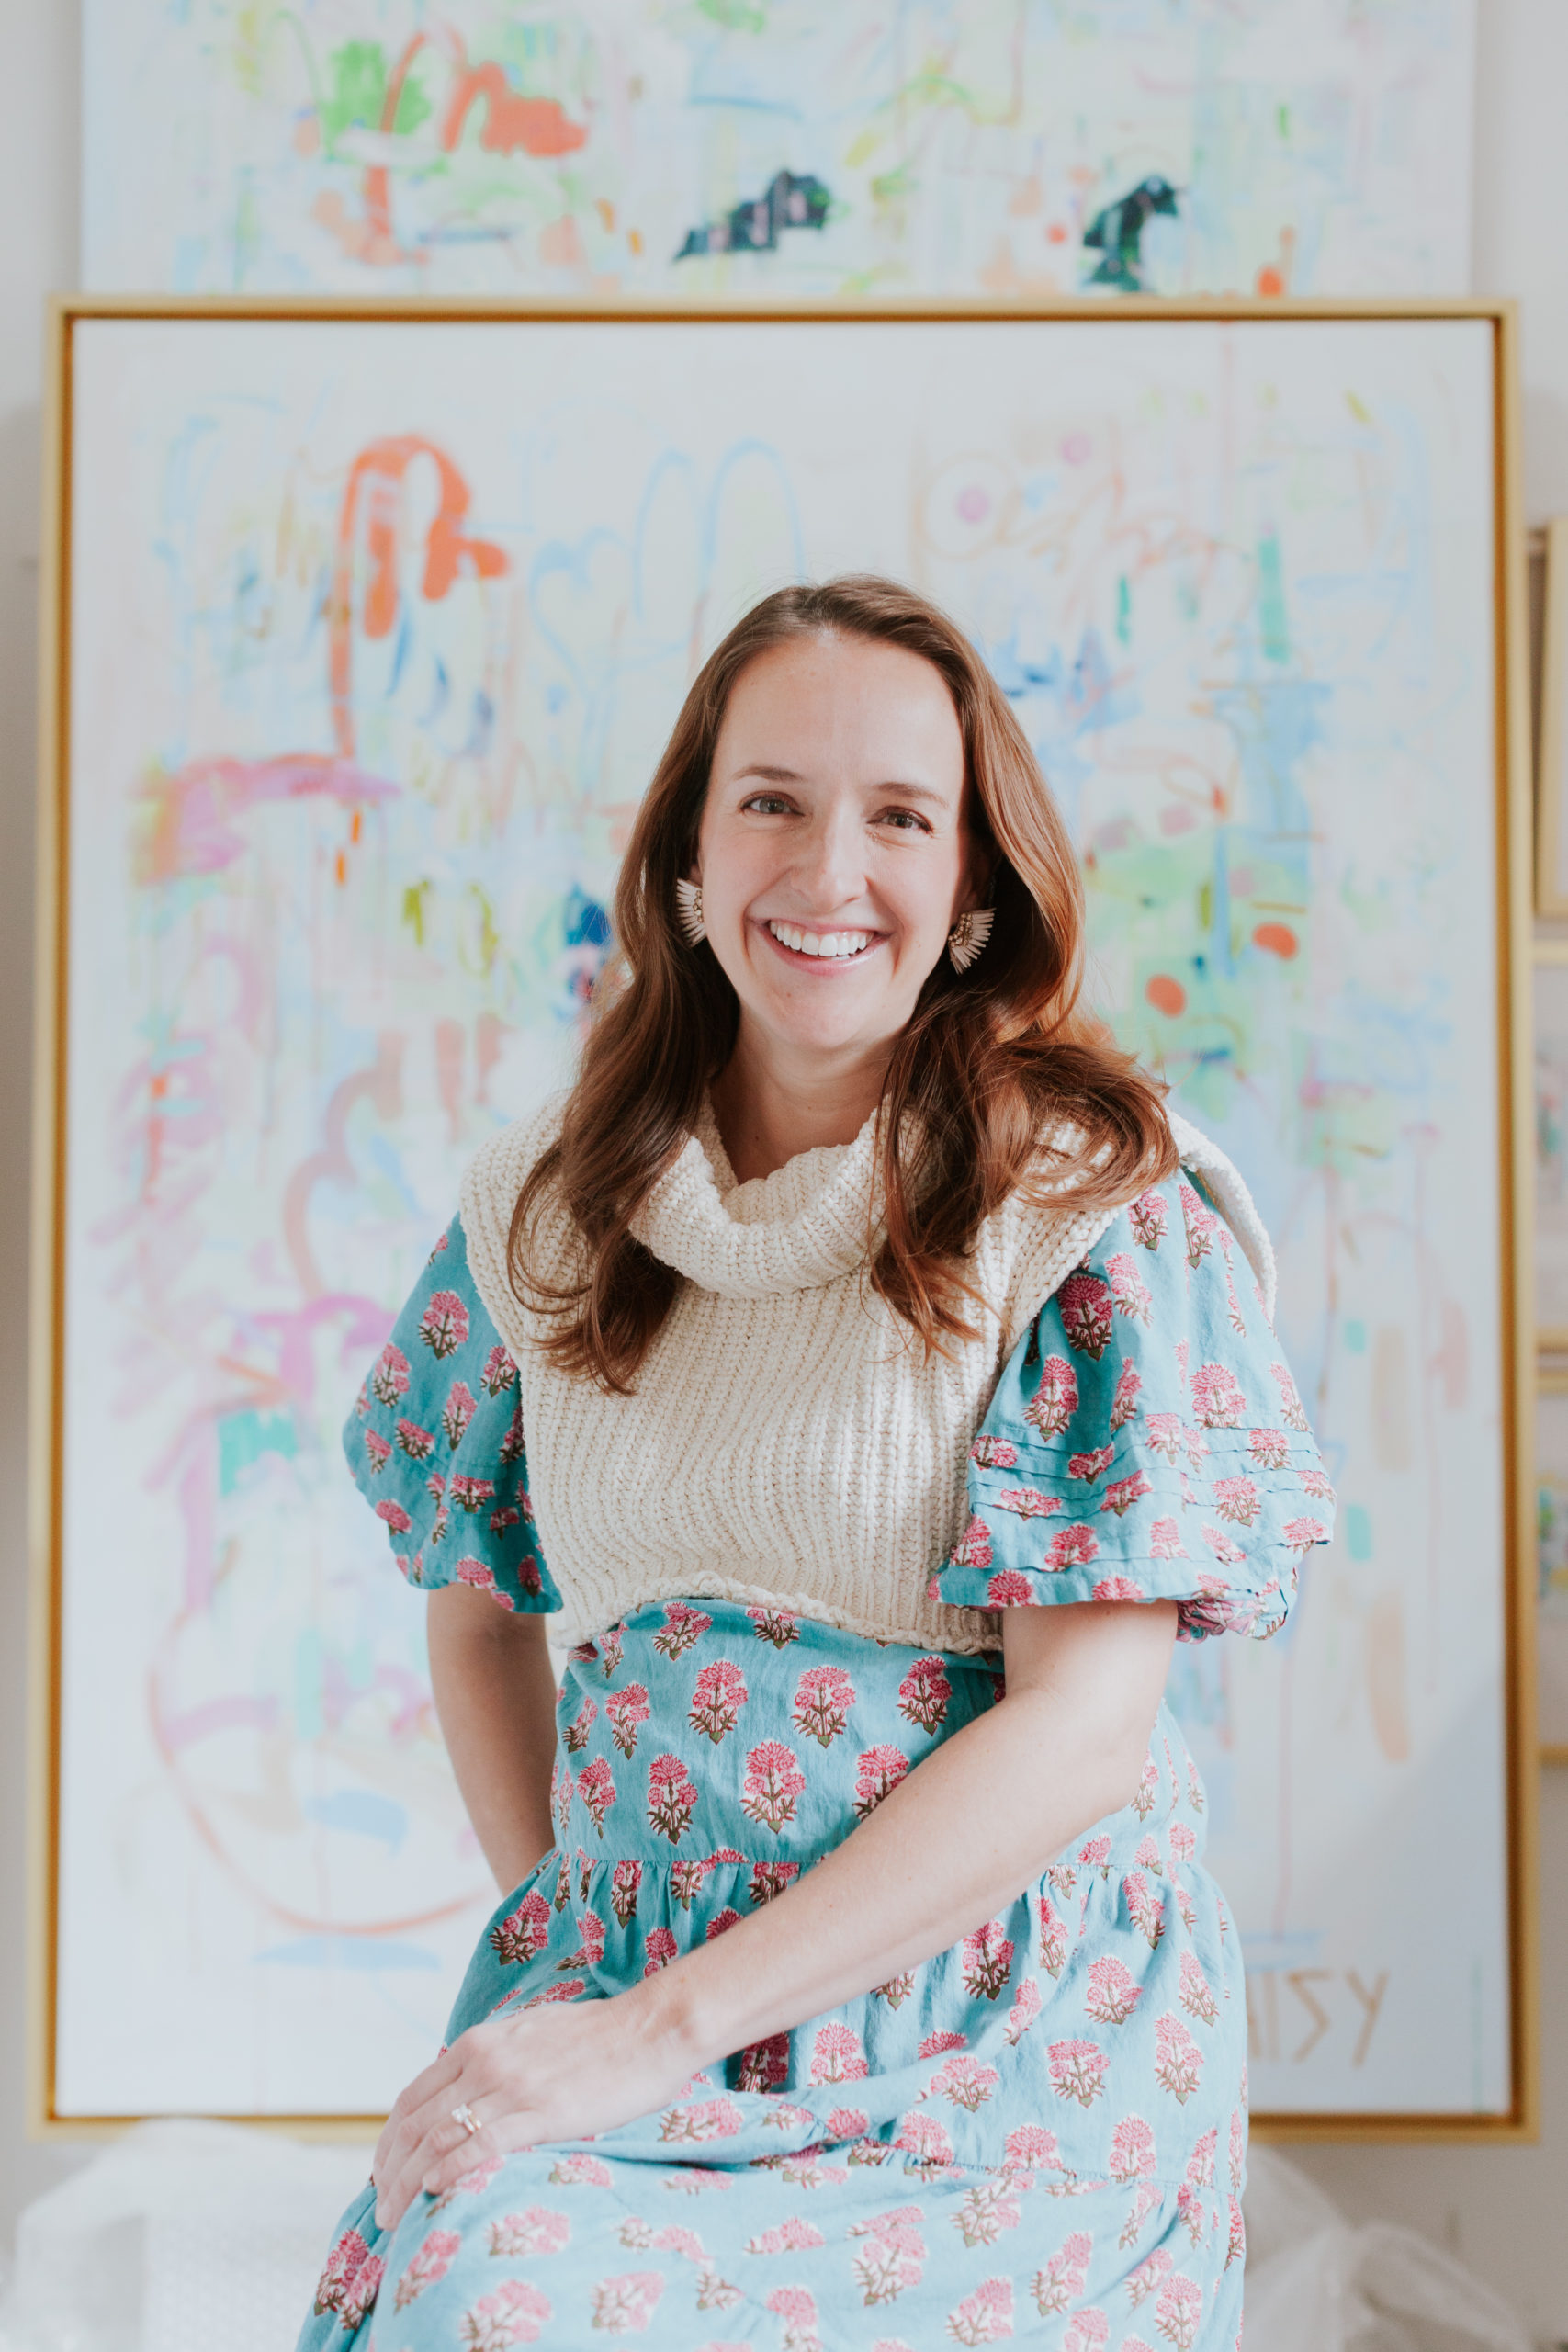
[
  {"x": 873, "y": 1330},
  {"x": 844, "y": 761}
]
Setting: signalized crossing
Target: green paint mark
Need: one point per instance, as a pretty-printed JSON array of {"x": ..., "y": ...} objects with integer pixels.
[
  {"x": 1124, "y": 610},
  {"x": 1359, "y": 1533},
  {"x": 358, "y": 93},
  {"x": 1284, "y": 120},
  {"x": 736, "y": 15},
  {"x": 1358, "y": 409},
  {"x": 1356, "y": 1338},
  {"x": 243, "y": 1437},
  {"x": 1272, "y": 599},
  {"x": 414, "y": 909},
  {"x": 489, "y": 938}
]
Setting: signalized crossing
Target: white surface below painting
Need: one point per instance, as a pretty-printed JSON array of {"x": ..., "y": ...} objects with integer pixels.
[{"x": 334, "y": 884}]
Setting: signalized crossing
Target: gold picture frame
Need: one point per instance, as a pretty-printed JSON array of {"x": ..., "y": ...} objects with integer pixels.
[
  {"x": 1551, "y": 1381},
  {"x": 1516, "y": 900}
]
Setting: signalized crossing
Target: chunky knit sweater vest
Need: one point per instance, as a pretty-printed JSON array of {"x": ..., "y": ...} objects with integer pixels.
[{"x": 789, "y": 1443}]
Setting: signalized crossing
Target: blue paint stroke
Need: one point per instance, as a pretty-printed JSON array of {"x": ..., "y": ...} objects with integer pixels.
[
  {"x": 362, "y": 1813},
  {"x": 367, "y": 1955}
]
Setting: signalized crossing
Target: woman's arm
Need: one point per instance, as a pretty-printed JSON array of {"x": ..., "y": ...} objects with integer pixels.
[
  {"x": 970, "y": 1827},
  {"x": 495, "y": 1696}
]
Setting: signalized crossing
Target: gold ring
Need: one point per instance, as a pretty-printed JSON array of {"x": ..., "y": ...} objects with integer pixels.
[{"x": 465, "y": 2116}]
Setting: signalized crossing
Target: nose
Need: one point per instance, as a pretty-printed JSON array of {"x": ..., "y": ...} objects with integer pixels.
[{"x": 830, "y": 869}]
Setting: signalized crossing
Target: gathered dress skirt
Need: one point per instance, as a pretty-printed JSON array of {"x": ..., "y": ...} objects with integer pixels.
[{"x": 1038, "y": 2136}]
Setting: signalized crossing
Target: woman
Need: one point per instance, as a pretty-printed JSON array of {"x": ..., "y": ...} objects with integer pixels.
[{"x": 858, "y": 1297}]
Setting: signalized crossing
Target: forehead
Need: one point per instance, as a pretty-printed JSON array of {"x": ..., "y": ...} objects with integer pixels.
[{"x": 843, "y": 704}]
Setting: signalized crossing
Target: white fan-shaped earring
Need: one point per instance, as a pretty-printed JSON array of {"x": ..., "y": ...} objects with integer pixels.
[
  {"x": 969, "y": 935},
  {"x": 689, "y": 910}
]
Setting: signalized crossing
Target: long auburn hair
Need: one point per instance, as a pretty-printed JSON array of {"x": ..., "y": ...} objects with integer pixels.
[{"x": 991, "y": 1060}]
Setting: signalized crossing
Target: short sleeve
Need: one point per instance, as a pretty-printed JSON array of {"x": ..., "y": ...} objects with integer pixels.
[
  {"x": 435, "y": 1443},
  {"x": 1146, "y": 1440}
]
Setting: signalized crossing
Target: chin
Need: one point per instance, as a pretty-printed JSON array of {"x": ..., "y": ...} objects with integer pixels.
[{"x": 834, "y": 1037}]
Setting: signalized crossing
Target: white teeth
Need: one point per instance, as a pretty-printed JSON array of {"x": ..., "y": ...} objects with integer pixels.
[{"x": 821, "y": 943}]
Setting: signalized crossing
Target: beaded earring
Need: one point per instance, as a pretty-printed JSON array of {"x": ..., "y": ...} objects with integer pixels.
[
  {"x": 968, "y": 936},
  {"x": 689, "y": 910}
]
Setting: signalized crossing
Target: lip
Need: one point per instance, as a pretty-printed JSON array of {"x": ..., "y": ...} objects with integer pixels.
[{"x": 820, "y": 964}]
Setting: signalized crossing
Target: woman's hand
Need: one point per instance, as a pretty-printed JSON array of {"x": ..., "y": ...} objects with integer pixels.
[{"x": 553, "y": 2073}]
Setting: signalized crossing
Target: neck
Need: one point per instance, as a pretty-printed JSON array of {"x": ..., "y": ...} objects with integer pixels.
[{"x": 771, "y": 1104}]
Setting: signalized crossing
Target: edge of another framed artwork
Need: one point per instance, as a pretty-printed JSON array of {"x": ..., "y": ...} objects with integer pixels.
[
  {"x": 1514, "y": 904},
  {"x": 1551, "y": 753}
]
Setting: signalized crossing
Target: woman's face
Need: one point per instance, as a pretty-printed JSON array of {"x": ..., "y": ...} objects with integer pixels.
[{"x": 834, "y": 851}]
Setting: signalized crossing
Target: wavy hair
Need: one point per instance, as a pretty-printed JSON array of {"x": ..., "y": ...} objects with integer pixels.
[{"x": 1001, "y": 1080}]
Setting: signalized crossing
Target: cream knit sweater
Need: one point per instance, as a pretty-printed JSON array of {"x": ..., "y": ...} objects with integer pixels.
[{"x": 789, "y": 1444}]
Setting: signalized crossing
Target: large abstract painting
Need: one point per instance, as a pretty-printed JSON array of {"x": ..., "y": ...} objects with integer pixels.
[
  {"x": 1012, "y": 148},
  {"x": 374, "y": 629}
]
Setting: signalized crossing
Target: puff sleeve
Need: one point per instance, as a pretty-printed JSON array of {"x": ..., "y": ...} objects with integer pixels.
[
  {"x": 1146, "y": 1440},
  {"x": 435, "y": 1443}
]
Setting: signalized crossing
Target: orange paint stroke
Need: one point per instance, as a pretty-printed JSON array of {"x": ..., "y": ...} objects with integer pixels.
[
  {"x": 449, "y": 1047},
  {"x": 490, "y": 1034},
  {"x": 538, "y": 126},
  {"x": 1278, "y": 938},
  {"x": 188, "y": 820},
  {"x": 382, "y": 1082},
  {"x": 375, "y": 483},
  {"x": 1167, "y": 995},
  {"x": 378, "y": 230}
]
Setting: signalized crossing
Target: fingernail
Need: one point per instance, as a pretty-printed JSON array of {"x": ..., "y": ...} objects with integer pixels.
[{"x": 380, "y": 2218}]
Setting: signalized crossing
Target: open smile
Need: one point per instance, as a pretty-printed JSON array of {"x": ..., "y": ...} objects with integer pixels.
[{"x": 824, "y": 949}]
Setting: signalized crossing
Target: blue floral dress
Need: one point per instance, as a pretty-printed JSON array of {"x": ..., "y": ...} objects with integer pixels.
[{"x": 1039, "y": 2134}]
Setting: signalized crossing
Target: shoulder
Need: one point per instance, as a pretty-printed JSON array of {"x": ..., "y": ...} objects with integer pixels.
[
  {"x": 500, "y": 1168},
  {"x": 1044, "y": 1239},
  {"x": 1039, "y": 1234},
  {"x": 1226, "y": 1189},
  {"x": 488, "y": 1196},
  {"x": 506, "y": 1156}
]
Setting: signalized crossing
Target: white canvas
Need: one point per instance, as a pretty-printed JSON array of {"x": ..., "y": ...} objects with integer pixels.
[
  {"x": 838, "y": 147},
  {"x": 342, "y": 833}
]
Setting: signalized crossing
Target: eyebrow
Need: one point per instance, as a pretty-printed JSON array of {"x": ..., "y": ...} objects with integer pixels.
[{"x": 892, "y": 784}]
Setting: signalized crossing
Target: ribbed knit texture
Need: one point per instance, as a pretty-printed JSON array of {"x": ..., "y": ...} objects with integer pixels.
[{"x": 788, "y": 1444}]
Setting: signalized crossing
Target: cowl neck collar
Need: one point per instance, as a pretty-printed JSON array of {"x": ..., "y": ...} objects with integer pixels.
[{"x": 808, "y": 1223}]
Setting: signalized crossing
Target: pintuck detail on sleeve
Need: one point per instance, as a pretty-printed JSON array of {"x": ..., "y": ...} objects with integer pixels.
[
  {"x": 1146, "y": 1440},
  {"x": 435, "y": 1443}
]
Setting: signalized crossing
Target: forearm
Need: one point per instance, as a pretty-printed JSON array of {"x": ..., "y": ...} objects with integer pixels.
[
  {"x": 495, "y": 1697},
  {"x": 949, "y": 1848}
]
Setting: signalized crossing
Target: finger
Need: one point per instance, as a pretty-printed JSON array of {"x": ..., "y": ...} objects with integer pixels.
[
  {"x": 499, "y": 2137},
  {"x": 429, "y": 2093},
  {"x": 389, "y": 2131},
  {"x": 427, "y": 2134}
]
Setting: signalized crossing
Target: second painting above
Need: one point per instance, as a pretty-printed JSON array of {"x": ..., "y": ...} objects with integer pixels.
[{"x": 1017, "y": 150}]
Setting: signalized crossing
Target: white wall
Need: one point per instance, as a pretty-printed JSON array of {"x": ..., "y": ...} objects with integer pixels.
[
  {"x": 38, "y": 171},
  {"x": 1500, "y": 2210}
]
